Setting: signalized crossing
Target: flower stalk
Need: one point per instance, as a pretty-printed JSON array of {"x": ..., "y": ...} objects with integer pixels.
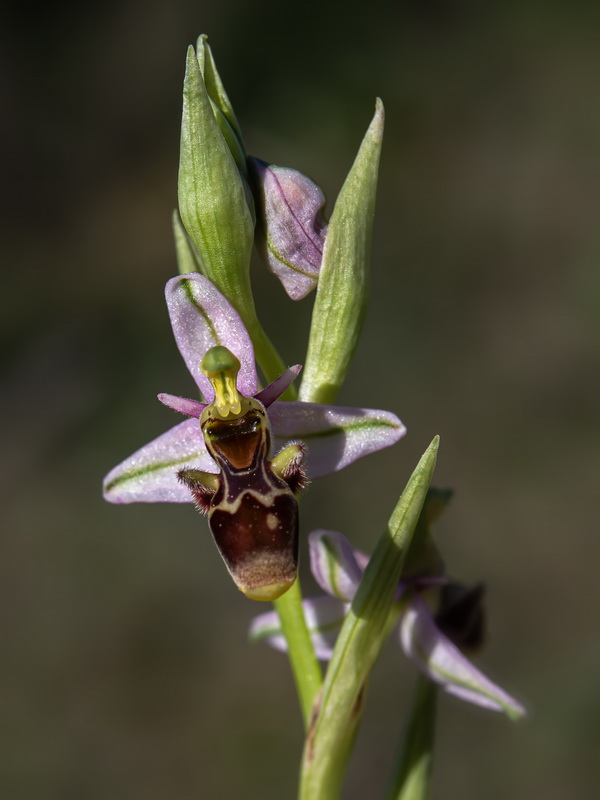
[
  {"x": 411, "y": 778},
  {"x": 305, "y": 667}
]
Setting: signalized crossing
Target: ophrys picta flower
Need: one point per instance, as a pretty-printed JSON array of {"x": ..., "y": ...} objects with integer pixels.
[{"x": 221, "y": 457}]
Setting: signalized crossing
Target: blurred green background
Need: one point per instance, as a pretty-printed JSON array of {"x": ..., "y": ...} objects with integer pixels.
[{"x": 126, "y": 671}]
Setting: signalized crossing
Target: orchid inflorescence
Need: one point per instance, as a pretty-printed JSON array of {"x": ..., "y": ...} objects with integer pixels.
[{"x": 244, "y": 453}]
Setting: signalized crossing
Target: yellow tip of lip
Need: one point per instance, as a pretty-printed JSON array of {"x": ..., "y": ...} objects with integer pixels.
[{"x": 269, "y": 592}]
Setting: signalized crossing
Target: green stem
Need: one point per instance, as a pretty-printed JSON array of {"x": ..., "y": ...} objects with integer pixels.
[
  {"x": 305, "y": 667},
  {"x": 411, "y": 779},
  {"x": 266, "y": 354}
]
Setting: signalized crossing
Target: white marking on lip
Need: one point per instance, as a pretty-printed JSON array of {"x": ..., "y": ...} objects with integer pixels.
[{"x": 272, "y": 522}]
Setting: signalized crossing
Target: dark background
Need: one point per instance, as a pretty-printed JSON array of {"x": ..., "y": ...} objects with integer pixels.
[{"x": 126, "y": 672}]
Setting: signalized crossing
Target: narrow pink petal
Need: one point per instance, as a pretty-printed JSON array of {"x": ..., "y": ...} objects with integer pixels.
[
  {"x": 324, "y": 616},
  {"x": 335, "y": 435},
  {"x": 202, "y": 318},
  {"x": 442, "y": 661},
  {"x": 150, "y": 474},
  {"x": 333, "y": 564},
  {"x": 191, "y": 408},
  {"x": 279, "y": 385}
]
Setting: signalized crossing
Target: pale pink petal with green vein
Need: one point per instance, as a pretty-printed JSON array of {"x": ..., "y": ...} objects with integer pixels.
[
  {"x": 442, "y": 662},
  {"x": 333, "y": 564},
  {"x": 335, "y": 436},
  {"x": 202, "y": 318},
  {"x": 324, "y": 616},
  {"x": 150, "y": 474}
]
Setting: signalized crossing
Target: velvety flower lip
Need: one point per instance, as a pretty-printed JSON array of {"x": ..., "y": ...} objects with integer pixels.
[
  {"x": 202, "y": 318},
  {"x": 338, "y": 568}
]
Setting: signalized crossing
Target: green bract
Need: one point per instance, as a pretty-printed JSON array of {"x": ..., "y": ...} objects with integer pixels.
[
  {"x": 342, "y": 290},
  {"x": 215, "y": 202},
  {"x": 361, "y": 637},
  {"x": 221, "y": 105},
  {"x": 212, "y": 199},
  {"x": 187, "y": 258}
]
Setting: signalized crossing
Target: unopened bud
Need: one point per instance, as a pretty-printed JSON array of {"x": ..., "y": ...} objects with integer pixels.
[
  {"x": 220, "y": 103},
  {"x": 292, "y": 229},
  {"x": 212, "y": 199}
]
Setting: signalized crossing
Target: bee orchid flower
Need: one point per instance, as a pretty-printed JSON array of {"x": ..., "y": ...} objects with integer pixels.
[{"x": 226, "y": 443}]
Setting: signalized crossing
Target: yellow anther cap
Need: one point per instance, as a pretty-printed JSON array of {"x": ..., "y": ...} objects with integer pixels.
[{"x": 221, "y": 368}]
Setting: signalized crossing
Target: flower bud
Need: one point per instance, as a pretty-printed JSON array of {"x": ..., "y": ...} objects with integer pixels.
[
  {"x": 224, "y": 114},
  {"x": 212, "y": 199},
  {"x": 292, "y": 229},
  {"x": 220, "y": 103},
  {"x": 187, "y": 257}
]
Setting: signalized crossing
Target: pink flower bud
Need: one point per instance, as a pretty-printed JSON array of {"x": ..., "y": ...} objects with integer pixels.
[{"x": 292, "y": 229}]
